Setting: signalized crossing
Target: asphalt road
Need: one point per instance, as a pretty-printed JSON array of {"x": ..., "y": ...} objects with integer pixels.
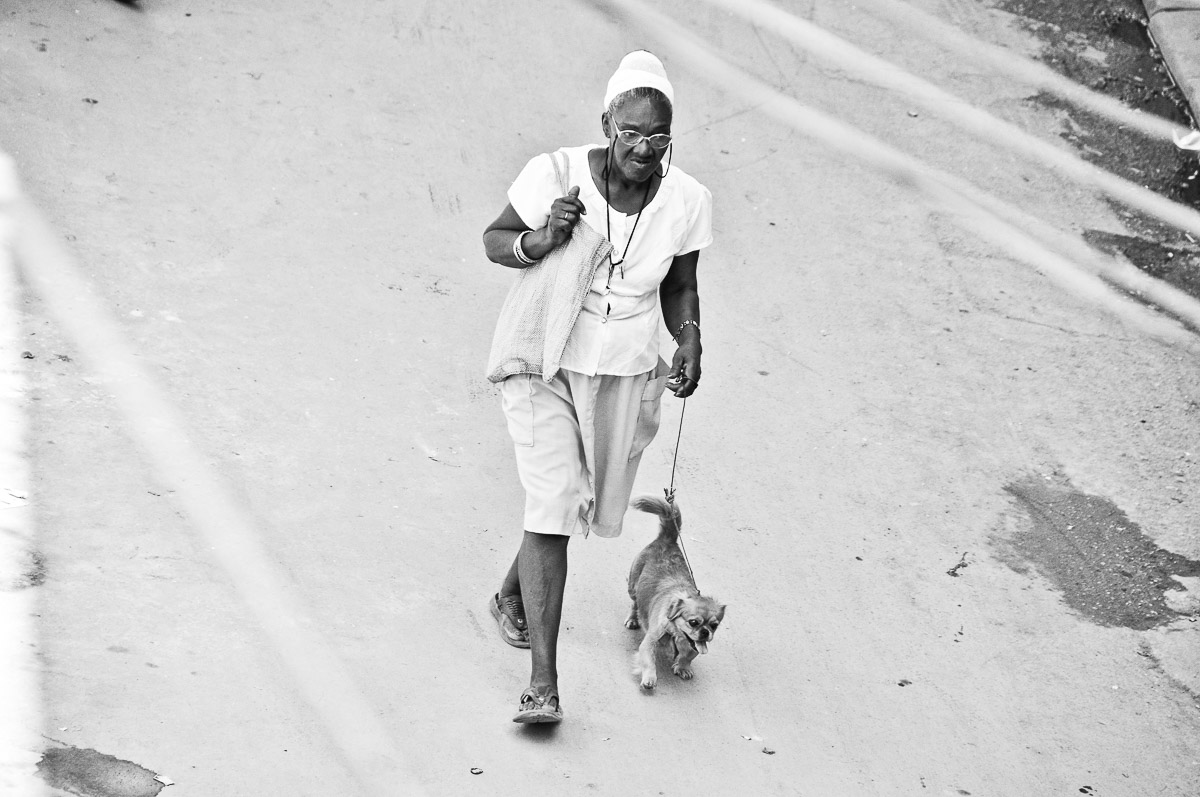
[{"x": 280, "y": 204}]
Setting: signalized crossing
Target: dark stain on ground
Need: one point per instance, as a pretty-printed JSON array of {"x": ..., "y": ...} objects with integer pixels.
[
  {"x": 1086, "y": 546},
  {"x": 34, "y": 574},
  {"x": 1132, "y": 71},
  {"x": 91, "y": 774},
  {"x": 1177, "y": 263}
]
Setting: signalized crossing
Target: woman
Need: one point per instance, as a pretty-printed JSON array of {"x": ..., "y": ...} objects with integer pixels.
[{"x": 579, "y": 437}]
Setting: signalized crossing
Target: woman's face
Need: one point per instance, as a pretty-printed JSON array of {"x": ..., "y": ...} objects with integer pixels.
[{"x": 639, "y": 162}]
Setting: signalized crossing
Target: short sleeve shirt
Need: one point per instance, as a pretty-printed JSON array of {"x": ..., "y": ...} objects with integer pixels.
[{"x": 618, "y": 330}]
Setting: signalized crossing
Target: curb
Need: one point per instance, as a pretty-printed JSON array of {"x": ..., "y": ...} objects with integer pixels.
[
  {"x": 1175, "y": 29},
  {"x": 1154, "y": 6},
  {"x": 20, "y": 692}
]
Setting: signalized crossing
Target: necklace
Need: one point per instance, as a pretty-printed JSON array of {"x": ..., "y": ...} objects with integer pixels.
[{"x": 612, "y": 264}]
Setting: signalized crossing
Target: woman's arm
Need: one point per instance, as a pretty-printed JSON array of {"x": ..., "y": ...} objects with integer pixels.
[
  {"x": 500, "y": 235},
  {"x": 680, "y": 298}
]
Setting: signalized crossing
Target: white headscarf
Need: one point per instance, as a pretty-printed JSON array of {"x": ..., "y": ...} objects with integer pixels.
[{"x": 638, "y": 69}]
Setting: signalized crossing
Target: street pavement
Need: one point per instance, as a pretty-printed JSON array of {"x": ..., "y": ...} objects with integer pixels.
[{"x": 276, "y": 210}]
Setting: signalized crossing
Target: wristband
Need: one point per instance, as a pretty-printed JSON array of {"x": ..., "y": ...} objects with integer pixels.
[{"x": 688, "y": 322}]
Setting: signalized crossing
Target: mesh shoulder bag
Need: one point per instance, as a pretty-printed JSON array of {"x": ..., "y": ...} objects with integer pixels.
[{"x": 544, "y": 303}]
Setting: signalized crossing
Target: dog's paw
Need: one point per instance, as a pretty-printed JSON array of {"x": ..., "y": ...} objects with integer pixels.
[
  {"x": 632, "y": 623},
  {"x": 649, "y": 681},
  {"x": 683, "y": 672}
]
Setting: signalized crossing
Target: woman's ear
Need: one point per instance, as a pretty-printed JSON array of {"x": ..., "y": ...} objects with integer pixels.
[{"x": 605, "y": 125}]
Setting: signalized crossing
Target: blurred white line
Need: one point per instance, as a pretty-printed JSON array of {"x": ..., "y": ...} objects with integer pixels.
[
  {"x": 1006, "y": 236},
  {"x": 929, "y": 27},
  {"x": 20, "y": 686},
  {"x": 374, "y": 758},
  {"x": 957, "y": 110},
  {"x": 1008, "y": 227}
]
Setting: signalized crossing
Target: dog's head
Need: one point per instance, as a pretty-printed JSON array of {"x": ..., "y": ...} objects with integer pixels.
[{"x": 697, "y": 618}]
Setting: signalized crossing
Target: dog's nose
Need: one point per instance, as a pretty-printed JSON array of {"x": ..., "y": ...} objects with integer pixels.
[{"x": 704, "y": 633}]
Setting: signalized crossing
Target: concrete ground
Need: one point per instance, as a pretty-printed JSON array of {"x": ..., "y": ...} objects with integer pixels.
[{"x": 279, "y": 206}]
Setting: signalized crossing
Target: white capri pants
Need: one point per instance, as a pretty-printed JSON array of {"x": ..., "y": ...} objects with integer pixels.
[{"x": 578, "y": 441}]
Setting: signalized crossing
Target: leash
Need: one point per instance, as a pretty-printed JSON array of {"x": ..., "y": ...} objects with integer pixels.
[{"x": 670, "y": 493}]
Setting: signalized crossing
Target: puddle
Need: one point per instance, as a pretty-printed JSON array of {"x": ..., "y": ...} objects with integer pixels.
[
  {"x": 92, "y": 774},
  {"x": 1105, "y": 567}
]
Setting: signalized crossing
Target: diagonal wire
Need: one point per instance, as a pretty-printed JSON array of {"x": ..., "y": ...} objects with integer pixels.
[
  {"x": 1008, "y": 227},
  {"x": 957, "y": 110},
  {"x": 376, "y": 760},
  {"x": 947, "y": 36}
]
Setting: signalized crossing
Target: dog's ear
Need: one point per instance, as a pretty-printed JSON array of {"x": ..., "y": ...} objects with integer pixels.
[
  {"x": 721, "y": 613},
  {"x": 675, "y": 609}
]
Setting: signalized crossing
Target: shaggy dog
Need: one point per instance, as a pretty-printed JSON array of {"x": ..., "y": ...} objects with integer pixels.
[{"x": 666, "y": 602}]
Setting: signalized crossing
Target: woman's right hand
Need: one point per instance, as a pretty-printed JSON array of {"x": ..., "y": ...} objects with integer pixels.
[{"x": 564, "y": 215}]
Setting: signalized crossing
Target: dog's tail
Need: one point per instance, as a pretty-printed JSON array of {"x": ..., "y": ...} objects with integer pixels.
[{"x": 670, "y": 521}]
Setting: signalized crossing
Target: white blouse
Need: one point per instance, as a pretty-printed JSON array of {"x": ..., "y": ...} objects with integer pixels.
[{"x": 618, "y": 331}]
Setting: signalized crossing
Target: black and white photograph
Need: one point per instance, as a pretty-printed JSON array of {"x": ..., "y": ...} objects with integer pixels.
[{"x": 600, "y": 398}]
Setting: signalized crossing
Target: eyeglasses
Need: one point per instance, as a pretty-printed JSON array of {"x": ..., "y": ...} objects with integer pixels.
[{"x": 631, "y": 138}]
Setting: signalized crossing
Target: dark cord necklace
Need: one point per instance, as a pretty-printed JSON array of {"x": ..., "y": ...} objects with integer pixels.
[{"x": 612, "y": 264}]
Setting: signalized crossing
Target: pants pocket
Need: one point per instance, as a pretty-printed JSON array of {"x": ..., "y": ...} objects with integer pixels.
[
  {"x": 516, "y": 398},
  {"x": 649, "y": 410}
]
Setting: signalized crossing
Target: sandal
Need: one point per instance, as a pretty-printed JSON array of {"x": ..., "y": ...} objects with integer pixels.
[
  {"x": 538, "y": 708},
  {"x": 510, "y": 619}
]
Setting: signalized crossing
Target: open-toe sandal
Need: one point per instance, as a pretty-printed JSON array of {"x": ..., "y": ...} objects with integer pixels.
[
  {"x": 537, "y": 708},
  {"x": 509, "y": 613}
]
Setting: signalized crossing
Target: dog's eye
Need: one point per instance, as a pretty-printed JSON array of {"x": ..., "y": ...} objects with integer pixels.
[{"x": 694, "y": 622}]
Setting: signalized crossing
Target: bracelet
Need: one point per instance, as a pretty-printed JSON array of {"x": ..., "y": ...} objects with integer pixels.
[
  {"x": 687, "y": 323},
  {"x": 519, "y": 253}
]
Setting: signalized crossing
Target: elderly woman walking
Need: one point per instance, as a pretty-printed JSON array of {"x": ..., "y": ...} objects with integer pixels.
[{"x": 581, "y": 414}]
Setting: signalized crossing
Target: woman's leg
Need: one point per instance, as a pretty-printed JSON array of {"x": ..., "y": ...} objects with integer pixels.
[
  {"x": 508, "y": 609},
  {"x": 542, "y": 568},
  {"x": 512, "y": 579},
  {"x": 553, "y": 470}
]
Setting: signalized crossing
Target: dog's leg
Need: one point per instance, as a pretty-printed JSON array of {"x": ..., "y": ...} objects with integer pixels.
[
  {"x": 684, "y": 654},
  {"x": 645, "y": 658},
  {"x": 635, "y": 574}
]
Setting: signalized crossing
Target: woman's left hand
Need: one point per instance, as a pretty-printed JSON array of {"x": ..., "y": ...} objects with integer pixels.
[{"x": 685, "y": 369}]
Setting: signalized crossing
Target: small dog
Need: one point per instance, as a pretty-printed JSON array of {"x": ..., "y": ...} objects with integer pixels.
[{"x": 666, "y": 602}]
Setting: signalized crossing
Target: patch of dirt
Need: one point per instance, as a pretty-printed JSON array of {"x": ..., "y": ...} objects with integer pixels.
[
  {"x": 89, "y": 773},
  {"x": 1177, "y": 263},
  {"x": 1105, "y": 45},
  {"x": 1105, "y": 567}
]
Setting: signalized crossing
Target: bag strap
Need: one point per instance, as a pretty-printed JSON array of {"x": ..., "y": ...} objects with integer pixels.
[{"x": 563, "y": 172}]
